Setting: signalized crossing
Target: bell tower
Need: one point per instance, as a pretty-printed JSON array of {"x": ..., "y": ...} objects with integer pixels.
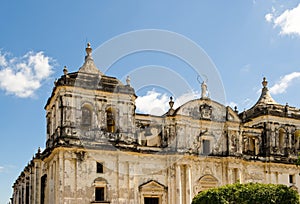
[{"x": 89, "y": 108}]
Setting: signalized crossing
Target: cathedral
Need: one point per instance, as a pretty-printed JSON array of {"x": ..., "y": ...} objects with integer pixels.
[{"x": 99, "y": 150}]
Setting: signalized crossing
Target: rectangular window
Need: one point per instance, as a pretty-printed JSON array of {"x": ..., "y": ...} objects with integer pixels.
[
  {"x": 99, "y": 194},
  {"x": 292, "y": 179},
  {"x": 99, "y": 167},
  {"x": 206, "y": 147},
  {"x": 235, "y": 175},
  {"x": 151, "y": 200}
]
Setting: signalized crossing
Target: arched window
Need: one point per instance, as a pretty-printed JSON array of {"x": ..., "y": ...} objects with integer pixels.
[
  {"x": 110, "y": 120},
  {"x": 297, "y": 139},
  {"x": 252, "y": 145},
  {"x": 101, "y": 190},
  {"x": 281, "y": 137},
  {"x": 86, "y": 119}
]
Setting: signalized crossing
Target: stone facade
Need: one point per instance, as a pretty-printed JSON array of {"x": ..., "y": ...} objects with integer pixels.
[{"x": 98, "y": 150}]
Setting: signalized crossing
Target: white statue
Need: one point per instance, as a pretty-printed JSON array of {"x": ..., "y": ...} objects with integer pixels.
[{"x": 204, "y": 93}]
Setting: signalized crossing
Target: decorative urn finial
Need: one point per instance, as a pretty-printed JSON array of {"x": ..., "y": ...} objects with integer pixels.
[
  {"x": 171, "y": 102},
  {"x": 264, "y": 82},
  {"x": 88, "y": 49},
  {"x": 65, "y": 70}
]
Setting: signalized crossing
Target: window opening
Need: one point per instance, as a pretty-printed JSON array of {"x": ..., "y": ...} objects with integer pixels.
[
  {"x": 86, "y": 116},
  {"x": 99, "y": 167},
  {"x": 151, "y": 200},
  {"x": 292, "y": 178},
  {"x": 110, "y": 120},
  {"x": 206, "y": 147},
  {"x": 99, "y": 194}
]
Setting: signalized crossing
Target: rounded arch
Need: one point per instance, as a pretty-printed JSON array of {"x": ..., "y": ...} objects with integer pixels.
[
  {"x": 101, "y": 190},
  {"x": 100, "y": 180},
  {"x": 206, "y": 182},
  {"x": 86, "y": 115}
]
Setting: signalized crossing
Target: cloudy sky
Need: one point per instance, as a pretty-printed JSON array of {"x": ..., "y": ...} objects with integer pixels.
[{"x": 245, "y": 40}]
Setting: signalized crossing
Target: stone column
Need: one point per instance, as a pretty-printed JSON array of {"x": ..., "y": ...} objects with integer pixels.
[
  {"x": 60, "y": 178},
  {"x": 189, "y": 184},
  {"x": 172, "y": 180},
  {"x": 178, "y": 185},
  {"x": 37, "y": 182}
]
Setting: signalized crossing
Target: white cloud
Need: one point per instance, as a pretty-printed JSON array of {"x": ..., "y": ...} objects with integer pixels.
[
  {"x": 23, "y": 76},
  {"x": 157, "y": 103},
  {"x": 152, "y": 103},
  {"x": 284, "y": 83},
  {"x": 1, "y": 169},
  {"x": 269, "y": 17},
  {"x": 288, "y": 21},
  {"x": 2, "y": 60}
]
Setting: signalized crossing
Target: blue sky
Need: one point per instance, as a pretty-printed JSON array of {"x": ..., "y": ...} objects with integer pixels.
[{"x": 246, "y": 40}]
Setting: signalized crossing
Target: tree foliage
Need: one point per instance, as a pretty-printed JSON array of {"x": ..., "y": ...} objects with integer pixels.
[{"x": 250, "y": 193}]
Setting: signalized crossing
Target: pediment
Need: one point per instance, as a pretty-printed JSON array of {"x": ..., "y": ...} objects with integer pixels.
[
  {"x": 208, "y": 179},
  {"x": 203, "y": 109},
  {"x": 232, "y": 116},
  {"x": 152, "y": 186},
  {"x": 205, "y": 182}
]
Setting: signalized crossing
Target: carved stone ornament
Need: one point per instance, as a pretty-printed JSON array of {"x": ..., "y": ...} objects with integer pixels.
[{"x": 205, "y": 111}]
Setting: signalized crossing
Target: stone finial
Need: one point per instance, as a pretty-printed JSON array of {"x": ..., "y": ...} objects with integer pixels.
[
  {"x": 128, "y": 80},
  {"x": 171, "y": 102},
  {"x": 89, "y": 65},
  {"x": 88, "y": 50},
  {"x": 264, "y": 82},
  {"x": 286, "y": 108},
  {"x": 65, "y": 70},
  {"x": 236, "y": 109},
  {"x": 38, "y": 154}
]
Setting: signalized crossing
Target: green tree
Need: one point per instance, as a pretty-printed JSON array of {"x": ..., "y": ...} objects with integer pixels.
[{"x": 250, "y": 193}]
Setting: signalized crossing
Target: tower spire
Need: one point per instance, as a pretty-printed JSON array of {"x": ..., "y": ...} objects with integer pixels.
[
  {"x": 89, "y": 65},
  {"x": 265, "y": 97}
]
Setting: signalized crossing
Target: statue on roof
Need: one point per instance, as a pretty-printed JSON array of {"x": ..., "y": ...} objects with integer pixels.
[{"x": 204, "y": 90}]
